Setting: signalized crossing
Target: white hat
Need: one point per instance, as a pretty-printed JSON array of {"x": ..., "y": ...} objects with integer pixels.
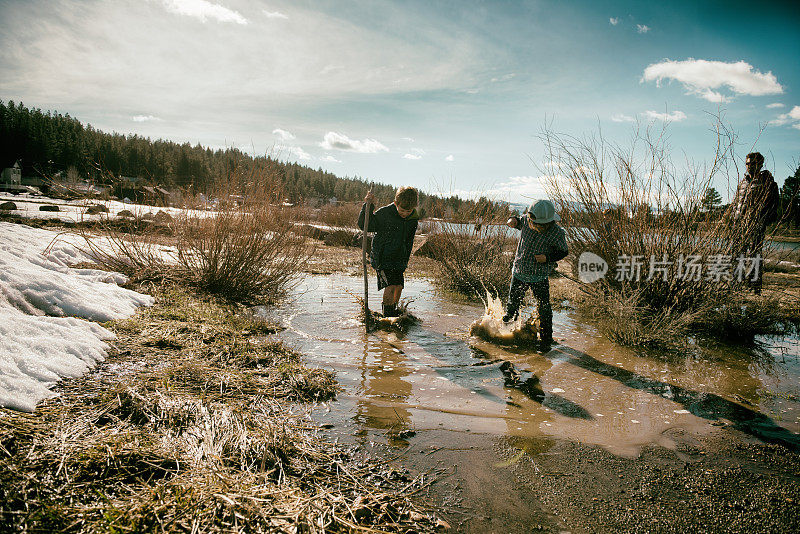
[{"x": 543, "y": 212}]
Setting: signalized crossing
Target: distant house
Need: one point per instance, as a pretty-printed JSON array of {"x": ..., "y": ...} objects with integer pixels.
[
  {"x": 156, "y": 196},
  {"x": 12, "y": 175}
]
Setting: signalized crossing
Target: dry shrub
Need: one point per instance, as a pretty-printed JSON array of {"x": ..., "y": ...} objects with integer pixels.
[
  {"x": 343, "y": 215},
  {"x": 471, "y": 261},
  {"x": 621, "y": 202},
  {"x": 246, "y": 250}
]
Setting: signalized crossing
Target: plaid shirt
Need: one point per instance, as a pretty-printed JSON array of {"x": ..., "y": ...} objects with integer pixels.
[{"x": 552, "y": 243}]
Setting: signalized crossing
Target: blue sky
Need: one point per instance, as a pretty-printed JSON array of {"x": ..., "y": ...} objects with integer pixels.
[{"x": 446, "y": 96}]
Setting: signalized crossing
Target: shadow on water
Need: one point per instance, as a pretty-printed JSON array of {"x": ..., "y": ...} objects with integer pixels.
[
  {"x": 705, "y": 405},
  {"x": 532, "y": 388},
  {"x": 461, "y": 355},
  {"x": 708, "y": 406}
]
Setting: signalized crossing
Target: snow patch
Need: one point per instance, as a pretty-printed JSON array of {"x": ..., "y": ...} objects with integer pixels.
[{"x": 43, "y": 306}]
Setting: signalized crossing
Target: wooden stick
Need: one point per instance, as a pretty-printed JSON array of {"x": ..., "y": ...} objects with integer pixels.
[{"x": 367, "y": 315}]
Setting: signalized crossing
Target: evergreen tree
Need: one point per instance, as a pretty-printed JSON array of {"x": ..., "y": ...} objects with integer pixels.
[
  {"x": 711, "y": 199},
  {"x": 790, "y": 199}
]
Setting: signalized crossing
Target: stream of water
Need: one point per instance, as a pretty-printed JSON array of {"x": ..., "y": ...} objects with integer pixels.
[{"x": 436, "y": 377}]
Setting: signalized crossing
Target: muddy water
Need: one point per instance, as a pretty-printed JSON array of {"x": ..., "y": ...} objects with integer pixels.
[{"x": 436, "y": 378}]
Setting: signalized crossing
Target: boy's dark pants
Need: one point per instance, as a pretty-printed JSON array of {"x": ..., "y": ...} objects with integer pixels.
[{"x": 541, "y": 292}]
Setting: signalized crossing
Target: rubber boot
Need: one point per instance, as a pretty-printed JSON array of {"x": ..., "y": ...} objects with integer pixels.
[{"x": 390, "y": 310}]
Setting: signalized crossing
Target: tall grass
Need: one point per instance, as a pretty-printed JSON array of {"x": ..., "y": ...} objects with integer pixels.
[
  {"x": 341, "y": 215},
  {"x": 246, "y": 250},
  {"x": 634, "y": 204},
  {"x": 472, "y": 260}
]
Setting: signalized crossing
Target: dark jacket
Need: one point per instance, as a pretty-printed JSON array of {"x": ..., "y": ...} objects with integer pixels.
[
  {"x": 758, "y": 199},
  {"x": 394, "y": 236}
]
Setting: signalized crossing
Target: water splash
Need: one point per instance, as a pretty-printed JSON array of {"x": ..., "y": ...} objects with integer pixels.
[{"x": 492, "y": 328}]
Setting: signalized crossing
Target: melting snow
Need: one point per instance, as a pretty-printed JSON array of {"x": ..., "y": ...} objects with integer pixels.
[{"x": 43, "y": 306}]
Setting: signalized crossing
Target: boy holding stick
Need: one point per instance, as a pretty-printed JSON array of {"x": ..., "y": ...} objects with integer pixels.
[{"x": 394, "y": 225}]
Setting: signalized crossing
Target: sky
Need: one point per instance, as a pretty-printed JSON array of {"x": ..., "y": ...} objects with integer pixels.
[{"x": 448, "y": 96}]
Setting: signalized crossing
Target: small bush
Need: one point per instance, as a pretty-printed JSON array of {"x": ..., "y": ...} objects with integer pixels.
[
  {"x": 471, "y": 262},
  {"x": 633, "y": 204},
  {"x": 244, "y": 251},
  {"x": 341, "y": 215}
]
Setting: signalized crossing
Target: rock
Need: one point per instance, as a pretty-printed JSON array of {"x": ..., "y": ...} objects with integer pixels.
[
  {"x": 162, "y": 217},
  {"x": 125, "y": 213},
  {"x": 441, "y": 524},
  {"x": 49, "y": 207},
  {"x": 313, "y": 232},
  {"x": 341, "y": 238},
  {"x": 94, "y": 209},
  {"x": 8, "y": 206}
]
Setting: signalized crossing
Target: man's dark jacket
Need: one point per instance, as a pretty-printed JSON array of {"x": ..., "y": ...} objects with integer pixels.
[
  {"x": 394, "y": 237},
  {"x": 758, "y": 198}
]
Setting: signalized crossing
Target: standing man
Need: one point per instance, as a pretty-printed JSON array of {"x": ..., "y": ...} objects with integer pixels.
[{"x": 756, "y": 207}]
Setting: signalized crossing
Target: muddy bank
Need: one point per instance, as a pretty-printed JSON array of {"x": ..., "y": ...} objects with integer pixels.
[{"x": 724, "y": 482}]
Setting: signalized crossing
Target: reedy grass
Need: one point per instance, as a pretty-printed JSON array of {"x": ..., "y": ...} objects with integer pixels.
[
  {"x": 624, "y": 202},
  {"x": 471, "y": 263},
  {"x": 246, "y": 250},
  {"x": 202, "y": 434}
]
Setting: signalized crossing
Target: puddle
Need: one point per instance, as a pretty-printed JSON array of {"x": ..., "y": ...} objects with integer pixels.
[{"x": 436, "y": 377}]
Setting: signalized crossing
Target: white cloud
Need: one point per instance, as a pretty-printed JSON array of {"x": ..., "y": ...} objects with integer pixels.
[
  {"x": 145, "y": 118},
  {"x": 204, "y": 10},
  {"x": 641, "y": 28},
  {"x": 700, "y": 76},
  {"x": 513, "y": 188},
  {"x": 786, "y": 118},
  {"x": 504, "y": 78},
  {"x": 417, "y": 151},
  {"x": 713, "y": 96},
  {"x": 675, "y": 116},
  {"x": 337, "y": 141},
  {"x": 294, "y": 152},
  {"x": 330, "y": 159},
  {"x": 274, "y": 14},
  {"x": 614, "y": 21},
  {"x": 775, "y": 105},
  {"x": 412, "y": 156},
  {"x": 449, "y": 158},
  {"x": 283, "y": 134},
  {"x": 409, "y": 139},
  {"x": 621, "y": 117}
]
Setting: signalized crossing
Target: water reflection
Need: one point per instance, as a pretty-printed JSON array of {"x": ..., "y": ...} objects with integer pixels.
[
  {"x": 384, "y": 390},
  {"x": 706, "y": 405},
  {"x": 591, "y": 390}
]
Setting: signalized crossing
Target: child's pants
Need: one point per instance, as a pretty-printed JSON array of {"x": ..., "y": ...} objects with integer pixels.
[{"x": 541, "y": 292}]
